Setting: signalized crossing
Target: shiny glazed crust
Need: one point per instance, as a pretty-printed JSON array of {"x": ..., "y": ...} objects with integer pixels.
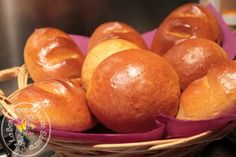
[
  {"x": 130, "y": 88},
  {"x": 192, "y": 58},
  {"x": 50, "y": 53},
  {"x": 211, "y": 96},
  {"x": 101, "y": 52},
  {"x": 116, "y": 30},
  {"x": 63, "y": 101},
  {"x": 188, "y": 21}
]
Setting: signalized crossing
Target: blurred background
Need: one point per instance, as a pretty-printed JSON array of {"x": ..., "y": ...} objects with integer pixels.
[{"x": 19, "y": 18}]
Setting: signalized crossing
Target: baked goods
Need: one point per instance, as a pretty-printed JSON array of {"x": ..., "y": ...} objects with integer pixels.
[
  {"x": 127, "y": 86},
  {"x": 187, "y": 21},
  {"x": 115, "y": 30},
  {"x": 130, "y": 88},
  {"x": 63, "y": 101},
  {"x": 51, "y": 53},
  {"x": 101, "y": 52},
  {"x": 211, "y": 96},
  {"x": 192, "y": 58}
]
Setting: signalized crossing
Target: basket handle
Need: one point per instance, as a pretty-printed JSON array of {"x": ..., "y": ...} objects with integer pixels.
[
  {"x": 19, "y": 72},
  {"x": 5, "y": 105},
  {"x": 22, "y": 78}
]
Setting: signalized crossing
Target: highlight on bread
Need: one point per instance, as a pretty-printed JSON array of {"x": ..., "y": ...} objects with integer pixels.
[
  {"x": 50, "y": 53},
  {"x": 115, "y": 30},
  {"x": 192, "y": 58},
  {"x": 130, "y": 88},
  {"x": 101, "y": 52},
  {"x": 211, "y": 96},
  {"x": 187, "y": 21},
  {"x": 63, "y": 101}
]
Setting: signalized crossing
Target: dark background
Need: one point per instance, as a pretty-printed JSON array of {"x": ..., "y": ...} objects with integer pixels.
[{"x": 19, "y": 18}]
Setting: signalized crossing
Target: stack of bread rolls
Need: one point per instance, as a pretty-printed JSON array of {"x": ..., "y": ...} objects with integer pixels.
[{"x": 123, "y": 84}]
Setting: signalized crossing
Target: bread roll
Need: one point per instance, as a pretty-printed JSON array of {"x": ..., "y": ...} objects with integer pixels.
[
  {"x": 188, "y": 21},
  {"x": 211, "y": 96},
  {"x": 130, "y": 88},
  {"x": 192, "y": 58},
  {"x": 63, "y": 101},
  {"x": 101, "y": 52},
  {"x": 116, "y": 30},
  {"x": 50, "y": 53}
]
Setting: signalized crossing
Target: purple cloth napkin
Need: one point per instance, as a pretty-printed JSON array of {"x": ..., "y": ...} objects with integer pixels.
[
  {"x": 111, "y": 137},
  {"x": 167, "y": 127}
]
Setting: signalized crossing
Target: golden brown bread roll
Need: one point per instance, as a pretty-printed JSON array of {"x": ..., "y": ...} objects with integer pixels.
[
  {"x": 211, "y": 96},
  {"x": 51, "y": 53},
  {"x": 63, "y": 101},
  {"x": 116, "y": 30},
  {"x": 101, "y": 52},
  {"x": 187, "y": 21},
  {"x": 130, "y": 88},
  {"x": 192, "y": 58}
]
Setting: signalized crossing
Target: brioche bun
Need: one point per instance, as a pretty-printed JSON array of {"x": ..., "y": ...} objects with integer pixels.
[
  {"x": 130, "y": 88},
  {"x": 116, "y": 30},
  {"x": 63, "y": 101},
  {"x": 211, "y": 96},
  {"x": 186, "y": 22},
  {"x": 192, "y": 58},
  {"x": 50, "y": 53}
]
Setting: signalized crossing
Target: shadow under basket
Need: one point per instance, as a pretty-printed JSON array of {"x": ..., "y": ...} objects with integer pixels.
[{"x": 177, "y": 147}]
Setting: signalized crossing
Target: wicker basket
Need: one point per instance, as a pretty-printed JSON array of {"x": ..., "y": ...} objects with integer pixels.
[{"x": 159, "y": 148}]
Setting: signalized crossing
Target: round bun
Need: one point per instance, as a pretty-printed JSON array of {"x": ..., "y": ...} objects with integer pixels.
[
  {"x": 192, "y": 58},
  {"x": 188, "y": 21},
  {"x": 63, "y": 101},
  {"x": 130, "y": 88},
  {"x": 101, "y": 52},
  {"x": 116, "y": 30},
  {"x": 212, "y": 96},
  {"x": 50, "y": 53}
]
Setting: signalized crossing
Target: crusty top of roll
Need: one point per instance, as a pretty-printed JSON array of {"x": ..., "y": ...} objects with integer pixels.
[
  {"x": 187, "y": 21},
  {"x": 51, "y": 53},
  {"x": 212, "y": 96},
  {"x": 198, "y": 10},
  {"x": 115, "y": 30},
  {"x": 63, "y": 101}
]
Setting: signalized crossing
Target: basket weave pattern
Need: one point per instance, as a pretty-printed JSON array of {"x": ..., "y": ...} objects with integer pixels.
[{"x": 158, "y": 148}]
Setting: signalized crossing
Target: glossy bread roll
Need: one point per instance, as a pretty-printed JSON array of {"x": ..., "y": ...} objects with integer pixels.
[
  {"x": 192, "y": 58},
  {"x": 212, "y": 96},
  {"x": 63, "y": 101},
  {"x": 116, "y": 30},
  {"x": 188, "y": 21},
  {"x": 101, "y": 52},
  {"x": 130, "y": 88},
  {"x": 50, "y": 53}
]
